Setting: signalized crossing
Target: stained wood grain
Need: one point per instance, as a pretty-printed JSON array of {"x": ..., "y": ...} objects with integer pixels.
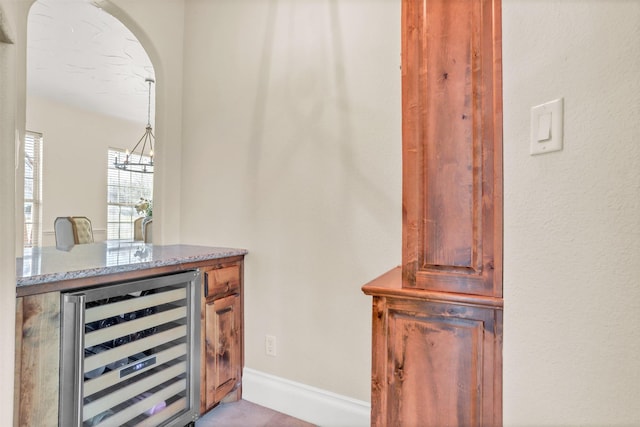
[
  {"x": 435, "y": 362},
  {"x": 222, "y": 355},
  {"x": 437, "y": 319},
  {"x": 452, "y": 146},
  {"x": 37, "y": 360},
  {"x": 18, "y": 364},
  {"x": 227, "y": 351}
]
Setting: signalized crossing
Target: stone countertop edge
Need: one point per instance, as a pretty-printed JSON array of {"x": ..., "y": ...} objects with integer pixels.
[{"x": 162, "y": 256}]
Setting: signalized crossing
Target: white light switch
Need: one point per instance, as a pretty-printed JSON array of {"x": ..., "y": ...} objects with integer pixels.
[{"x": 546, "y": 127}]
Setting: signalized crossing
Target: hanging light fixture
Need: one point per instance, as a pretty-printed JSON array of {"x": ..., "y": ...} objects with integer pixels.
[{"x": 142, "y": 165}]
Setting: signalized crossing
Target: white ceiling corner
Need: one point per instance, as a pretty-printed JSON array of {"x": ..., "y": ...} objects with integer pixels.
[{"x": 80, "y": 55}]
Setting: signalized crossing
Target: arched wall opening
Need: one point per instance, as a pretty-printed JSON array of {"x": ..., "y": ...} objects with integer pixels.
[
  {"x": 165, "y": 52},
  {"x": 87, "y": 95}
]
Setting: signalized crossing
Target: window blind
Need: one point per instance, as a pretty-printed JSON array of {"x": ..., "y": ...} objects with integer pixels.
[
  {"x": 124, "y": 190},
  {"x": 32, "y": 189}
]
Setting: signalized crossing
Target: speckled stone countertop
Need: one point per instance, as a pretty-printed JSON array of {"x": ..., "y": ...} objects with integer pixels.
[{"x": 48, "y": 264}]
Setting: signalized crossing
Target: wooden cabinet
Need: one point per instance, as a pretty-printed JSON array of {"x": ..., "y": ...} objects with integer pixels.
[
  {"x": 437, "y": 319},
  {"x": 37, "y": 370},
  {"x": 222, "y": 335},
  {"x": 444, "y": 350},
  {"x": 437, "y": 358}
]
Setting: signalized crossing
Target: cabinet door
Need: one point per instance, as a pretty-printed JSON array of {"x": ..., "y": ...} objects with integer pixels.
[
  {"x": 222, "y": 342},
  {"x": 452, "y": 146},
  {"x": 440, "y": 365}
]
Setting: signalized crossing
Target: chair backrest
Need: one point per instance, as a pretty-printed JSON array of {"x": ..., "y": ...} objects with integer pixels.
[
  {"x": 147, "y": 231},
  {"x": 63, "y": 227},
  {"x": 82, "y": 231},
  {"x": 137, "y": 229}
]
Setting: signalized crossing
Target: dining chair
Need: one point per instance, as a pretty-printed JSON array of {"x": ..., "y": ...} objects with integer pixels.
[
  {"x": 63, "y": 227},
  {"x": 147, "y": 230},
  {"x": 82, "y": 231},
  {"x": 138, "y": 233}
]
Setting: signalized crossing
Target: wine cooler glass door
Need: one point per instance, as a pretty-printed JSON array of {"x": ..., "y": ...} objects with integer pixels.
[{"x": 130, "y": 353}]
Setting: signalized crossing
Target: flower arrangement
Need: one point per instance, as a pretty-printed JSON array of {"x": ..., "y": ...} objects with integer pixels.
[{"x": 145, "y": 207}]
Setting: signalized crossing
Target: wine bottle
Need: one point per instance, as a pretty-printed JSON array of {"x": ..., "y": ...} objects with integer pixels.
[{"x": 91, "y": 351}]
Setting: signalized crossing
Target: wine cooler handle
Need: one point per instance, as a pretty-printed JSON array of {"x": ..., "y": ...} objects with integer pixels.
[
  {"x": 80, "y": 356},
  {"x": 73, "y": 370}
]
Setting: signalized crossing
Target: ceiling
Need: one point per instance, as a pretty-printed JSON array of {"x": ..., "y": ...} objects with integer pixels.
[{"x": 80, "y": 55}]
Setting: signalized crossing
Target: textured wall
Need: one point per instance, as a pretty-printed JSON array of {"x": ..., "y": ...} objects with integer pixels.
[
  {"x": 7, "y": 220},
  {"x": 572, "y": 218},
  {"x": 158, "y": 25},
  {"x": 70, "y": 186},
  {"x": 292, "y": 149}
]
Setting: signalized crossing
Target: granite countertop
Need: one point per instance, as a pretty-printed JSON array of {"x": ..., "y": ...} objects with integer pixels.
[{"x": 48, "y": 264}]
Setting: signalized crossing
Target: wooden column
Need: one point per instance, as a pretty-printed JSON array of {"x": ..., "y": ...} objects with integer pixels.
[
  {"x": 437, "y": 319},
  {"x": 452, "y": 146}
]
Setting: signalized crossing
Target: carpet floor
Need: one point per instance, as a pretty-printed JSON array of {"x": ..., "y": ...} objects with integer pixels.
[{"x": 247, "y": 414}]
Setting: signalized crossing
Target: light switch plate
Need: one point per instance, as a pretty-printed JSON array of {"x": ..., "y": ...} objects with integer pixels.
[{"x": 547, "y": 122}]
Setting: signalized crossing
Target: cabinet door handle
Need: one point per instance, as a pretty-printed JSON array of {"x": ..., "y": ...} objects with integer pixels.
[{"x": 206, "y": 284}]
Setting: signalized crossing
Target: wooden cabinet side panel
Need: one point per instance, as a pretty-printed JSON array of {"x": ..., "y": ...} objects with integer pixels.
[
  {"x": 493, "y": 372},
  {"x": 379, "y": 382},
  {"x": 38, "y": 360},
  {"x": 18, "y": 364}
]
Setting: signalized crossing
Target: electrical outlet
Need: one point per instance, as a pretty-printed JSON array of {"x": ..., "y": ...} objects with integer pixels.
[{"x": 270, "y": 345}]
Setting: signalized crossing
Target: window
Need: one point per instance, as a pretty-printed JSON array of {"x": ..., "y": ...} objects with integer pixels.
[
  {"x": 32, "y": 189},
  {"x": 124, "y": 190}
]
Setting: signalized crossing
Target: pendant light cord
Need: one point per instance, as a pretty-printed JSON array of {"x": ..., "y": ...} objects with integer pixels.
[{"x": 150, "y": 80}]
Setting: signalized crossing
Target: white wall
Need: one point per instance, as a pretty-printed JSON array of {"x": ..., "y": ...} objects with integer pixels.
[
  {"x": 292, "y": 150},
  {"x": 75, "y": 149},
  {"x": 8, "y": 126},
  {"x": 572, "y": 218},
  {"x": 291, "y": 131},
  {"x": 158, "y": 25}
]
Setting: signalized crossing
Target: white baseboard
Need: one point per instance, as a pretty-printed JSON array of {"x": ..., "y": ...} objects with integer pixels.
[{"x": 311, "y": 404}]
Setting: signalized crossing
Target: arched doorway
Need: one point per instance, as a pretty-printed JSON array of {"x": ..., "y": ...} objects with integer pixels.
[{"x": 87, "y": 96}]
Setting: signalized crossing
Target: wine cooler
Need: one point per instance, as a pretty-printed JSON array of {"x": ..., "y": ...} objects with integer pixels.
[{"x": 131, "y": 353}]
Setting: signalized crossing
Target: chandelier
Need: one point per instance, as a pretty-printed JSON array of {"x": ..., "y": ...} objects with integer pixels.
[{"x": 142, "y": 165}]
